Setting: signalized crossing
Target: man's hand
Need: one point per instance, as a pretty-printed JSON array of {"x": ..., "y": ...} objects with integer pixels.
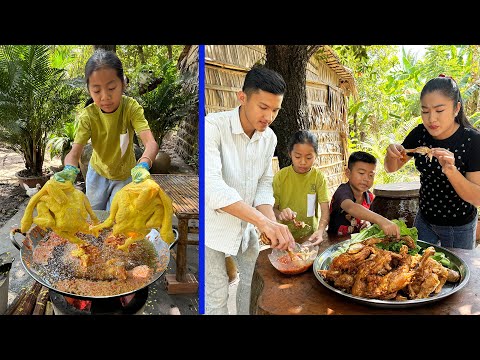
[
  {"x": 389, "y": 228},
  {"x": 140, "y": 172},
  {"x": 278, "y": 234},
  {"x": 69, "y": 173}
]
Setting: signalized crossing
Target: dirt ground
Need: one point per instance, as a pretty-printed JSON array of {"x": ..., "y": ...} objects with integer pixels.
[{"x": 12, "y": 195}]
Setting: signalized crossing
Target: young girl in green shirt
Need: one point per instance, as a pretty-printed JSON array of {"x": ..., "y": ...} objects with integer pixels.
[
  {"x": 109, "y": 122},
  {"x": 299, "y": 188}
]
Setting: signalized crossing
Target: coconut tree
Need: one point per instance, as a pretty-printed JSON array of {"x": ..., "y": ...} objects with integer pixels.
[{"x": 35, "y": 100}]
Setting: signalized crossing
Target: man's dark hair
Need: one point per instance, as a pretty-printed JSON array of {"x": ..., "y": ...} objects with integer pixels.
[
  {"x": 261, "y": 78},
  {"x": 361, "y": 156}
]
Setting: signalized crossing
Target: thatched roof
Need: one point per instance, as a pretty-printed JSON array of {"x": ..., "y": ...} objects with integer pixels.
[
  {"x": 328, "y": 84},
  {"x": 347, "y": 81},
  {"x": 243, "y": 57}
]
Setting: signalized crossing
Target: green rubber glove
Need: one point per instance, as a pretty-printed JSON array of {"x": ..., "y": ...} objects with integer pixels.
[
  {"x": 69, "y": 173},
  {"x": 140, "y": 172}
]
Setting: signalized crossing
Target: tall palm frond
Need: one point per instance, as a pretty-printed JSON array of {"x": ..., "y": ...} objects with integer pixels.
[{"x": 35, "y": 99}]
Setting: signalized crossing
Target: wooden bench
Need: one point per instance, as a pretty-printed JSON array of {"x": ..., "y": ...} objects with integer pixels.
[{"x": 183, "y": 190}]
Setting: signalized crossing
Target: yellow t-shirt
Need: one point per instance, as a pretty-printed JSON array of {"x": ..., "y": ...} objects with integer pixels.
[
  {"x": 112, "y": 137},
  {"x": 301, "y": 192}
]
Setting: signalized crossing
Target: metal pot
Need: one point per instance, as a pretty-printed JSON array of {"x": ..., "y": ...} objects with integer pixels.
[{"x": 36, "y": 234}]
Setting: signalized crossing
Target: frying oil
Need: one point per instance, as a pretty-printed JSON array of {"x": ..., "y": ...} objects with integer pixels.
[{"x": 103, "y": 259}]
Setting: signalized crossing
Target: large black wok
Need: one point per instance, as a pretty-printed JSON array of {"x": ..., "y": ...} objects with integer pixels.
[{"x": 36, "y": 234}]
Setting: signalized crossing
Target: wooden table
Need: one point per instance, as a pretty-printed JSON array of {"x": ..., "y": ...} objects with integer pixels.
[
  {"x": 183, "y": 190},
  {"x": 278, "y": 294}
]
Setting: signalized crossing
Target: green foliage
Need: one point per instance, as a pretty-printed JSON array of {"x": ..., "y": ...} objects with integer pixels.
[
  {"x": 389, "y": 84},
  {"x": 61, "y": 142},
  {"x": 71, "y": 58},
  {"x": 193, "y": 161},
  {"x": 138, "y": 59},
  {"x": 168, "y": 104},
  {"x": 35, "y": 100},
  {"x": 475, "y": 120}
]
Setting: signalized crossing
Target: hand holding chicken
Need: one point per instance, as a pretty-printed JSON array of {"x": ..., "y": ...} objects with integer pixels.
[
  {"x": 61, "y": 208},
  {"x": 136, "y": 209}
]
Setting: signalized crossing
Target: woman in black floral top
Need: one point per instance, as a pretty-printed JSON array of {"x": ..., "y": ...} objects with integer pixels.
[{"x": 450, "y": 176}]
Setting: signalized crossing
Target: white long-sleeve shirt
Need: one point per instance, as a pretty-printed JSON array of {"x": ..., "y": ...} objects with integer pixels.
[{"x": 236, "y": 168}]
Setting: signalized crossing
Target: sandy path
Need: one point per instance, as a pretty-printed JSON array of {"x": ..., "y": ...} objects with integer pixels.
[{"x": 11, "y": 162}]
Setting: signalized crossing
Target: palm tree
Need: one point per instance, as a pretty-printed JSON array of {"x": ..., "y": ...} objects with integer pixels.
[{"x": 35, "y": 100}]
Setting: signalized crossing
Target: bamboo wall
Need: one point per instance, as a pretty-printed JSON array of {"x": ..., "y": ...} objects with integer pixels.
[
  {"x": 225, "y": 69},
  {"x": 186, "y": 145}
]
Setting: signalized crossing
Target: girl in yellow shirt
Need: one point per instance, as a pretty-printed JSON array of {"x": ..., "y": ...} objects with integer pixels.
[
  {"x": 109, "y": 122},
  {"x": 300, "y": 188}
]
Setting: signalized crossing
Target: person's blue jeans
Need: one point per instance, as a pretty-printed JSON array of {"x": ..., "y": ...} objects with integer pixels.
[
  {"x": 462, "y": 236},
  {"x": 100, "y": 191}
]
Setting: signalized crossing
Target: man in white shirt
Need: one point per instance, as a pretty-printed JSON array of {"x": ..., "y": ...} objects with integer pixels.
[{"x": 239, "y": 146}]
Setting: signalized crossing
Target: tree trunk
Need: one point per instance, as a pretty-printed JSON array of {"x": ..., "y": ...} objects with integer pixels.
[
  {"x": 291, "y": 62},
  {"x": 141, "y": 55},
  {"x": 106, "y": 47},
  {"x": 170, "y": 52},
  {"x": 354, "y": 125}
]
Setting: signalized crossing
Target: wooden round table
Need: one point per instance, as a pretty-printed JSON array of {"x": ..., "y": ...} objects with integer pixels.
[
  {"x": 397, "y": 201},
  {"x": 274, "y": 293}
]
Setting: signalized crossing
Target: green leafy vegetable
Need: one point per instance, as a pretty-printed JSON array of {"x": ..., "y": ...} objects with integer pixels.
[
  {"x": 395, "y": 246},
  {"x": 442, "y": 259},
  {"x": 375, "y": 231},
  {"x": 298, "y": 232}
]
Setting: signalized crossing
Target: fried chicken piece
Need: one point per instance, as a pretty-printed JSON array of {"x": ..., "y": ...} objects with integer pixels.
[
  {"x": 142, "y": 272},
  {"x": 371, "y": 272},
  {"x": 376, "y": 265},
  {"x": 429, "y": 276},
  {"x": 349, "y": 262},
  {"x": 44, "y": 250},
  {"x": 387, "y": 286},
  {"x": 340, "y": 280},
  {"x": 419, "y": 150},
  {"x": 453, "y": 276},
  {"x": 136, "y": 209},
  {"x": 116, "y": 269}
]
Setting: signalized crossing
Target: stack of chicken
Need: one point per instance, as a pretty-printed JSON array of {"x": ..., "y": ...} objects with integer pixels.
[{"x": 368, "y": 271}]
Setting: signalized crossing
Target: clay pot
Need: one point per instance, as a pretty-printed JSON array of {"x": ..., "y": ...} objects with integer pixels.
[
  {"x": 161, "y": 164},
  {"x": 32, "y": 181}
]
